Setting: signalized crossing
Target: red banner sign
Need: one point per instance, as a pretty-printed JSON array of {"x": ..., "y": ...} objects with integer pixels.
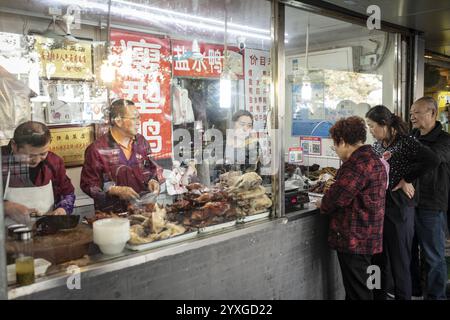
[
  {"x": 203, "y": 60},
  {"x": 143, "y": 75}
]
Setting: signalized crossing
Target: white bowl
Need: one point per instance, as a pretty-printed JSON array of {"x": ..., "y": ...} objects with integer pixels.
[{"x": 111, "y": 234}]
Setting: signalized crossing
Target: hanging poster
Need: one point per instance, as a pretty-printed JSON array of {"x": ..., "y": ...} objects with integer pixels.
[
  {"x": 144, "y": 66},
  {"x": 257, "y": 85}
]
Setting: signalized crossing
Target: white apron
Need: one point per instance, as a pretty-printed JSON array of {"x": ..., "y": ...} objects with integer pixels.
[{"x": 39, "y": 198}]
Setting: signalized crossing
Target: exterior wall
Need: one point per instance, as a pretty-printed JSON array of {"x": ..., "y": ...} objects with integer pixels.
[{"x": 282, "y": 261}]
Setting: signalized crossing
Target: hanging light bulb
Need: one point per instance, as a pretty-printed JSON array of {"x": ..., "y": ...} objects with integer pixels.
[
  {"x": 306, "y": 83},
  {"x": 306, "y": 89},
  {"x": 225, "y": 90},
  {"x": 107, "y": 72},
  {"x": 225, "y": 76}
]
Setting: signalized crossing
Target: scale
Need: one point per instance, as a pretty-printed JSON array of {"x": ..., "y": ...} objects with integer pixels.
[{"x": 295, "y": 197}]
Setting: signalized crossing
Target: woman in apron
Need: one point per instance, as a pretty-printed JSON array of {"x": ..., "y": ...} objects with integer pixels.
[{"x": 34, "y": 178}]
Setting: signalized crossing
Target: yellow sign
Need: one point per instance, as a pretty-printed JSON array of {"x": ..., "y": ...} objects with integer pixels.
[
  {"x": 71, "y": 143},
  {"x": 59, "y": 59},
  {"x": 443, "y": 99}
]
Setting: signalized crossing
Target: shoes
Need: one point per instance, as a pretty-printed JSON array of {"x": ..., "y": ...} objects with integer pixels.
[
  {"x": 416, "y": 297},
  {"x": 390, "y": 296}
]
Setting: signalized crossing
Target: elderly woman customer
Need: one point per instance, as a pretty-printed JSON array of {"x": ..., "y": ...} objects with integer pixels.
[{"x": 355, "y": 205}]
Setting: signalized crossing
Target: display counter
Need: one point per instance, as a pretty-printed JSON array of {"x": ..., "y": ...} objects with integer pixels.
[{"x": 266, "y": 259}]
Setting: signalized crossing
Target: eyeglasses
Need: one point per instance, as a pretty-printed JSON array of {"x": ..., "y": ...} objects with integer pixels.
[
  {"x": 132, "y": 118},
  {"x": 245, "y": 124}
]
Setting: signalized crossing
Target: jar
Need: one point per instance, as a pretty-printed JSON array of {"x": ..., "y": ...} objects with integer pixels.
[
  {"x": 24, "y": 257},
  {"x": 13, "y": 227}
]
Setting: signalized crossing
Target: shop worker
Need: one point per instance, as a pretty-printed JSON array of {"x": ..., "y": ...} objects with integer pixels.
[
  {"x": 433, "y": 196},
  {"x": 34, "y": 178},
  {"x": 242, "y": 147},
  {"x": 117, "y": 166},
  {"x": 355, "y": 205}
]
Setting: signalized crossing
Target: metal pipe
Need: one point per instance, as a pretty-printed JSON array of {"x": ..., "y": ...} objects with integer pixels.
[
  {"x": 278, "y": 105},
  {"x": 3, "y": 271}
]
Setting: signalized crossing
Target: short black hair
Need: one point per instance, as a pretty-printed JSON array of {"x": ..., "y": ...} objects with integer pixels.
[
  {"x": 34, "y": 133},
  {"x": 118, "y": 108},
  {"x": 241, "y": 113}
]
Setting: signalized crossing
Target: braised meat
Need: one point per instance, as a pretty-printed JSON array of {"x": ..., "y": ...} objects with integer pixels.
[{"x": 194, "y": 186}]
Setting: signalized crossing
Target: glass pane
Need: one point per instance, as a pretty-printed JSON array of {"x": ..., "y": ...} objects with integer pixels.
[
  {"x": 334, "y": 69},
  {"x": 170, "y": 96}
]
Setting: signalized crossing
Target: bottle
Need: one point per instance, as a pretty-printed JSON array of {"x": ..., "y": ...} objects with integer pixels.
[{"x": 24, "y": 258}]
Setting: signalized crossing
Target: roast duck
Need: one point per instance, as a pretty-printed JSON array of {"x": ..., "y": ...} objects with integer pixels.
[{"x": 202, "y": 207}]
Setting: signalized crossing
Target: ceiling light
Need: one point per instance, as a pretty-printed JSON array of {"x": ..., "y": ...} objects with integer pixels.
[{"x": 173, "y": 17}]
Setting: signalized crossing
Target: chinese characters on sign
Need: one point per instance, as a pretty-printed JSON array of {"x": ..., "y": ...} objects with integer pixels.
[
  {"x": 71, "y": 143},
  {"x": 67, "y": 61},
  {"x": 207, "y": 63},
  {"x": 257, "y": 82},
  {"x": 144, "y": 68},
  {"x": 257, "y": 94}
]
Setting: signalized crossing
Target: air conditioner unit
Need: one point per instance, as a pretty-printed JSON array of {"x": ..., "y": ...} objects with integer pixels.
[{"x": 343, "y": 59}]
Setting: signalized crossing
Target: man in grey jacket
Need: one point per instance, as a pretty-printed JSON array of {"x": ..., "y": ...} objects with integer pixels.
[{"x": 433, "y": 190}]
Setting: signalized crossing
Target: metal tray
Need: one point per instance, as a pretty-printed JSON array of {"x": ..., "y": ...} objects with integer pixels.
[
  {"x": 160, "y": 243},
  {"x": 216, "y": 227},
  {"x": 254, "y": 217}
]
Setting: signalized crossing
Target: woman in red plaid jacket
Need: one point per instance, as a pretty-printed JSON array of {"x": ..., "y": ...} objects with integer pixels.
[{"x": 355, "y": 204}]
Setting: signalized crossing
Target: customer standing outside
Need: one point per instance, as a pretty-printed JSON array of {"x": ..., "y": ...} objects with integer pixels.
[
  {"x": 355, "y": 204},
  {"x": 433, "y": 196},
  {"x": 408, "y": 160}
]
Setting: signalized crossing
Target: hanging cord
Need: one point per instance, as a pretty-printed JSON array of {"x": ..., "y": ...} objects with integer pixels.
[{"x": 307, "y": 46}]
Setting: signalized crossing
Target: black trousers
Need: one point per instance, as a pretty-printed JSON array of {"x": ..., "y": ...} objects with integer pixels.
[
  {"x": 395, "y": 260},
  {"x": 354, "y": 275}
]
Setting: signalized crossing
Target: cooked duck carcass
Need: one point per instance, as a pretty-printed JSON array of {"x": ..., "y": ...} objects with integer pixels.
[
  {"x": 250, "y": 194},
  {"x": 194, "y": 186},
  {"x": 247, "y": 181},
  {"x": 175, "y": 229},
  {"x": 228, "y": 179},
  {"x": 261, "y": 203},
  {"x": 137, "y": 235},
  {"x": 158, "y": 219},
  {"x": 199, "y": 215},
  {"x": 220, "y": 195},
  {"x": 205, "y": 197},
  {"x": 216, "y": 208},
  {"x": 181, "y": 205},
  {"x": 187, "y": 221},
  {"x": 136, "y": 219},
  {"x": 231, "y": 213}
]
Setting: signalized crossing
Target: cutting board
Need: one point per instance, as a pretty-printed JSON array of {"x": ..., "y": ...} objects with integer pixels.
[{"x": 60, "y": 247}]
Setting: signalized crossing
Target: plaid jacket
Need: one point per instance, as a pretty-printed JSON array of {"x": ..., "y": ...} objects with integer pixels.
[{"x": 355, "y": 203}]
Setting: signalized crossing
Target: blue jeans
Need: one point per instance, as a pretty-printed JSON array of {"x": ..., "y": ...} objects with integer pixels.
[{"x": 430, "y": 230}]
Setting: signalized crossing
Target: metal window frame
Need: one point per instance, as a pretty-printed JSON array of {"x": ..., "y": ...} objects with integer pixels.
[{"x": 406, "y": 40}]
